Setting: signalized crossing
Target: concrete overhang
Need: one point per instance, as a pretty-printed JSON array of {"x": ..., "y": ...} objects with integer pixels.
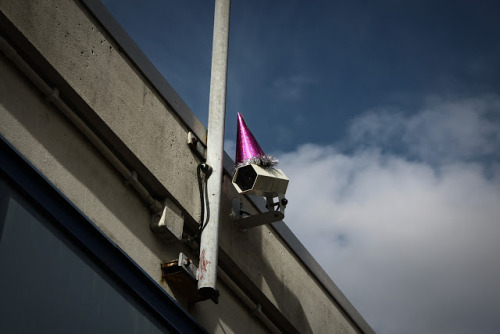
[{"x": 186, "y": 116}]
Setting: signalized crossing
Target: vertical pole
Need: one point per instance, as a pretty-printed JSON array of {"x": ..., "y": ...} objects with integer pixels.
[{"x": 209, "y": 248}]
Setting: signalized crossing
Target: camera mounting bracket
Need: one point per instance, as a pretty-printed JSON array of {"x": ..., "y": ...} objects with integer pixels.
[{"x": 244, "y": 220}]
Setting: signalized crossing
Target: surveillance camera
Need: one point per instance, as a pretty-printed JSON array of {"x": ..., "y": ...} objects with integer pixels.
[{"x": 255, "y": 180}]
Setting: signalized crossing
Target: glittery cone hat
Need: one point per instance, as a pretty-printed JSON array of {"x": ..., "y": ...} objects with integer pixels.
[{"x": 248, "y": 150}]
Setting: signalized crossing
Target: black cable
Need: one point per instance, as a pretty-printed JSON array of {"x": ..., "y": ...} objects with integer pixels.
[
  {"x": 207, "y": 171},
  {"x": 200, "y": 187},
  {"x": 203, "y": 199}
]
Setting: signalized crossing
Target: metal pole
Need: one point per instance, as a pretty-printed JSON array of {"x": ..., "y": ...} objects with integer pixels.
[{"x": 209, "y": 248}]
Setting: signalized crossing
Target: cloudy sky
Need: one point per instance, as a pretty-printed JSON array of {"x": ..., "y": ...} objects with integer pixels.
[{"x": 386, "y": 117}]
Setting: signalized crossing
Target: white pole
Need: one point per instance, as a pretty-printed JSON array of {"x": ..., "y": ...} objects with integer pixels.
[{"x": 209, "y": 248}]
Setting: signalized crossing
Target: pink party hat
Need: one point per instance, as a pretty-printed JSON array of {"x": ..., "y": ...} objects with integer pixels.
[{"x": 248, "y": 150}]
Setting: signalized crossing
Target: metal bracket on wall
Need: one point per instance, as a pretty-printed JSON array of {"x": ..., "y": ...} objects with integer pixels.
[
  {"x": 245, "y": 220},
  {"x": 180, "y": 275},
  {"x": 168, "y": 224},
  {"x": 196, "y": 146}
]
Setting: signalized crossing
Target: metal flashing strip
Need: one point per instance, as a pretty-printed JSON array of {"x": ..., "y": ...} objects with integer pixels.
[{"x": 137, "y": 57}]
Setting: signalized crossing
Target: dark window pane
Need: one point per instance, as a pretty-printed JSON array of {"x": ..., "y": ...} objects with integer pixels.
[{"x": 49, "y": 286}]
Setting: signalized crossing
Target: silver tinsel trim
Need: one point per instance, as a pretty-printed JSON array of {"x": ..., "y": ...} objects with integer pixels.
[{"x": 265, "y": 161}]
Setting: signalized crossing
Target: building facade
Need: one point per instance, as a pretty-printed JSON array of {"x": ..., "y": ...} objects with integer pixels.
[{"x": 100, "y": 197}]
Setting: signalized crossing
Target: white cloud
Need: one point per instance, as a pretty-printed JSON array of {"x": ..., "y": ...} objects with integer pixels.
[
  {"x": 413, "y": 243},
  {"x": 443, "y": 130}
]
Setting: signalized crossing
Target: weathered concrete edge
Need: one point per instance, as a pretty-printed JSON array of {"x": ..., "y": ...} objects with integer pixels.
[
  {"x": 315, "y": 269},
  {"x": 225, "y": 262},
  {"x": 136, "y": 56},
  {"x": 313, "y": 266}
]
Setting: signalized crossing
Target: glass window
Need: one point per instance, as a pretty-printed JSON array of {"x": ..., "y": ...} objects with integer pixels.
[{"x": 49, "y": 285}]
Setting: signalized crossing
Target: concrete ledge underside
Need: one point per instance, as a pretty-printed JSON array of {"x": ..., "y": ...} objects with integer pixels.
[{"x": 127, "y": 156}]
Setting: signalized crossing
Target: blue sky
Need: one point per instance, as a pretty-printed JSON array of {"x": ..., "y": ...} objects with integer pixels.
[
  {"x": 386, "y": 117},
  {"x": 330, "y": 59}
]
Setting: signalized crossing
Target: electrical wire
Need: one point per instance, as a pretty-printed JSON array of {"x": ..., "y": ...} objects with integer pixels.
[{"x": 203, "y": 199}]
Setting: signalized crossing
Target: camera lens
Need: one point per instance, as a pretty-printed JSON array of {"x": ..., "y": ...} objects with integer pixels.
[{"x": 246, "y": 177}]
